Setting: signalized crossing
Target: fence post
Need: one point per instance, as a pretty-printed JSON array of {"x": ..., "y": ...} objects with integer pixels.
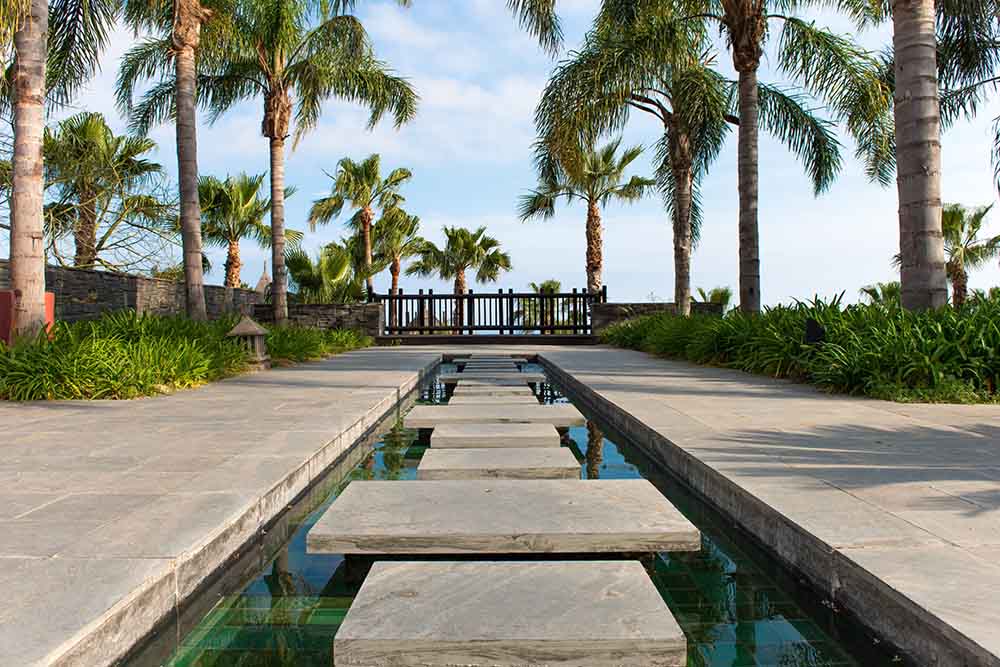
[
  {"x": 604, "y": 294},
  {"x": 472, "y": 313},
  {"x": 576, "y": 315},
  {"x": 510, "y": 309},
  {"x": 430, "y": 302},
  {"x": 399, "y": 310},
  {"x": 420, "y": 310}
]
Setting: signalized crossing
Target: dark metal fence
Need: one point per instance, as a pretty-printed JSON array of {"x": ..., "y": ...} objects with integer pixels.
[{"x": 500, "y": 313}]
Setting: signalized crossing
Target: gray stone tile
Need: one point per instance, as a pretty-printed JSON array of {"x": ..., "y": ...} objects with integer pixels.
[
  {"x": 92, "y": 507},
  {"x": 41, "y": 539},
  {"x": 13, "y": 505}
]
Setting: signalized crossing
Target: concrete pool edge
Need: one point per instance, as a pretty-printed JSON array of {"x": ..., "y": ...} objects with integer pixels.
[
  {"x": 873, "y": 602},
  {"x": 162, "y": 596}
]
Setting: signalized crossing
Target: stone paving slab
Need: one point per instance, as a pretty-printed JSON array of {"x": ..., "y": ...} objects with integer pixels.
[
  {"x": 490, "y": 389},
  {"x": 501, "y": 517},
  {"x": 493, "y": 399},
  {"x": 597, "y": 614},
  {"x": 519, "y": 361},
  {"x": 492, "y": 377},
  {"x": 562, "y": 415},
  {"x": 496, "y": 463},
  {"x": 890, "y": 507},
  {"x": 467, "y": 436},
  {"x": 113, "y": 512}
]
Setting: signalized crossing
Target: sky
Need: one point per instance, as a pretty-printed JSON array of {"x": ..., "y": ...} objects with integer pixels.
[{"x": 479, "y": 78}]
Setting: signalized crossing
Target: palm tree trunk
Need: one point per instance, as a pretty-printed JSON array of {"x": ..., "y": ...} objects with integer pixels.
[
  {"x": 595, "y": 250},
  {"x": 367, "y": 215},
  {"x": 680, "y": 165},
  {"x": 394, "y": 269},
  {"x": 27, "y": 242},
  {"x": 233, "y": 264},
  {"x": 85, "y": 234},
  {"x": 747, "y": 170},
  {"x": 188, "y": 17},
  {"x": 595, "y": 450},
  {"x": 959, "y": 284},
  {"x": 279, "y": 286},
  {"x": 918, "y": 155}
]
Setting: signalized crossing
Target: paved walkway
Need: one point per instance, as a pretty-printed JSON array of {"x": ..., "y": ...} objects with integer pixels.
[
  {"x": 910, "y": 493},
  {"x": 110, "y": 512}
]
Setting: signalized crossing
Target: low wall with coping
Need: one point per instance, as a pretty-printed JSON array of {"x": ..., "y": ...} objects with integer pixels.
[
  {"x": 83, "y": 294},
  {"x": 365, "y": 317},
  {"x": 603, "y": 315}
]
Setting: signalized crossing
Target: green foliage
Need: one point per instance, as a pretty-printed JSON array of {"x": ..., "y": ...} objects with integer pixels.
[
  {"x": 877, "y": 350},
  {"x": 123, "y": 355}
]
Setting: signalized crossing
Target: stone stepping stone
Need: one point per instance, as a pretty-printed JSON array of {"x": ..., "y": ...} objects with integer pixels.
[
  {"x": 488, "y": 389},
  {"x": 491, "y": 376},
  {"x": 482, "y": 361},
  {"x": 576, "y": 613},
  {"x": 476, "y": 436},
  {"x": 490, "y": 399},
  {"x": 501, "y": 516},
  {"x": 562, "y": 415},
  {"x": 507, "y": 463}
]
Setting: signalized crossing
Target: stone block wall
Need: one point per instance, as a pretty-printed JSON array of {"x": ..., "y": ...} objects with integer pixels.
[
  {"x": 366, "y": 317},
  {"x": 603, "y": 315},
  {"x": 83, "y": 294}
]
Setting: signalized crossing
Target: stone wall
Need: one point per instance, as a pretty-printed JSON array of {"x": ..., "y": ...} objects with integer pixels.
[
  {"x": 82, "y": 294},
  {"x": 366, "y": 317},
  {"x": 604, "y": 315}
]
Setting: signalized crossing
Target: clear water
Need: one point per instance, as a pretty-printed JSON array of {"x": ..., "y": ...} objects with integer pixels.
[{"x": 736, "y": 606}]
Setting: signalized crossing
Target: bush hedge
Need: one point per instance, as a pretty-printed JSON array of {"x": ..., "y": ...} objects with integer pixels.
[
  {"x": 875, "y": 350},
  {"x": 124, "y": 355}
]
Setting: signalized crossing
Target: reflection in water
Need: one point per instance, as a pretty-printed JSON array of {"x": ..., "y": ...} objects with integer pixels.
[{"x": 734, "y": 606}]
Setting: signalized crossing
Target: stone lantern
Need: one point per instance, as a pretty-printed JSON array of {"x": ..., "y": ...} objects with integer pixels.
[{"x": 253, "y": 336}]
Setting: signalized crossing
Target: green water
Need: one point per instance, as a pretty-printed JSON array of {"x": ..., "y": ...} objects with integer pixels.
[{"x": 736, "y": 606}]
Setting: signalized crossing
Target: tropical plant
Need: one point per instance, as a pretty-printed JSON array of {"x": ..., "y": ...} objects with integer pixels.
[
  {"x": 885, "y": 294},
  {"x": 718, "y": 295},
  {"x": 232, "y": 210},
  {"x": 360, "y": 186},
  {"x": 595, "y": 176},
  {"x": 464, "y": 250},
  {"x": 620, "y": 70},
  {"x": 964, "y": 250},
  {"x": 335, "y": 276},
  {"x": 50, "y": 65},
  {"x": 828, "y": 66},
  {"x": 98, "y": 181},
  {"x": 282, "y": 50},
  {"x": 396, "y": 239},
  {"x": 533, "y": 315}
]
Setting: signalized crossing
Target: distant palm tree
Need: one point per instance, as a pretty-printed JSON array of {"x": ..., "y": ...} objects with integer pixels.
[
  {"x": 360, "y": 185},
  {"x": 396, "y": 239},
  {"x": 886, "y": 294},
  {"x": 963, "y": 248},
  {"x": 720, "y": 295},
  {"x": 531, "y": 314},
  {"x": 595, "y": 176},
  {"x": 233, "y": 210},
  {"x": 463, "y": 251},
  {"x": 330, "y": 278}
]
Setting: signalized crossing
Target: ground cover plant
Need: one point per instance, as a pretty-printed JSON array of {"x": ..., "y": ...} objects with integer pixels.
[
  {"x": 124, "y": 355},
  {"x": 878, "y": 350}
]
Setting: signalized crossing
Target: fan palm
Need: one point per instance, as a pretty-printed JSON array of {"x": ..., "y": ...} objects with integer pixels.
[
  {"x": 964, "y": 250},
  {"x": 232, "y": 210},
  {"x": 886, "y": 294},
  {"x": 532, "y": 314},
  {"x": 295, "y": 56},
  {"x": 396, "y": 239},
  {"x": 595, "y": 176},
  {"x": 330, "y": 278},
  {"x": 360, "y": 185},
  {"x": 464, "y": 250},
  {"x": 720, "y": 295},
  {"x": 828, "y": 66},
  {"x": 51, "y": 64},
  {"x": 621, "y": 70}
]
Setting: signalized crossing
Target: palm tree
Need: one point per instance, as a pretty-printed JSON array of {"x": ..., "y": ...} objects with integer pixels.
[
  {"x": 464, "y": 250},
  {"x": 622, "y": 70},
  {"x": 173, "y": 53},
  {"x": 595, "y": 176},
  {"x": 532, "y": 314},
  {"x": 396, "y": 239},
  {"x": 90, "y": 165},
  {"x": 360, "y": 185},
  {"x": 964, "y": 250},
  {"x": 232, "y": 210},
  {"x": 46, "y": 68},
  {"x": 828, "y": 66},
  {"x": 280, "y": 50},
  {"x": 331, "y": 278},
  {"x": 720, "y": 295},
  {"x": 886, "y": 294}
]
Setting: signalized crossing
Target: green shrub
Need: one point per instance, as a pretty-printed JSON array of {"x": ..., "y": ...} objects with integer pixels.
[
  {"x": 124, "y": 355},
  {"x": 875, "y": 350}
]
